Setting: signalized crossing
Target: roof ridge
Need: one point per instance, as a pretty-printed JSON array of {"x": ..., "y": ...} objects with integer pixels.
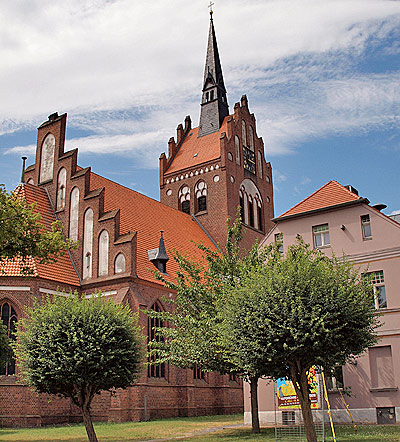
[
  {"x": 331, "y": 182},
  {"x": 139, "y": 194},
  {"x": 305, "y": 199}
]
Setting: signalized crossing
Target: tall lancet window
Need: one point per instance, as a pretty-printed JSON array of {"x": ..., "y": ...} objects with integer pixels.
[
  {"x": 9, "y": 319},
  {"x": 88, "y": 244},
  {"x": 244, "y": 136},
  {"x": 251, "y": 138},
  {"x": 259, "y": 164},
  {"x": 103, "y": 253},
  {"x": 61, "y": 183},
  {"x": 74, "y": 214},
  {"x": 237, "y": 150},
  {"x": 47, "y": 158}
]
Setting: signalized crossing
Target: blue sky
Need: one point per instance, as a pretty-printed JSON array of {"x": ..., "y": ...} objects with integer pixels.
[{"x": 323, "y": 79}]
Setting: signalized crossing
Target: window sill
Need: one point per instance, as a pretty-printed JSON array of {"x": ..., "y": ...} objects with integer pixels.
[
  {"x": 383, "y": 389},
  {"x": 8, "y": 380},
  {"x": 252, "y": 228},
  {"x": 203, "y": 212},
  {"x": 367, "y": 239},
  {"x": 159, "y": 381},
  {"x": 323, "y": 247}
]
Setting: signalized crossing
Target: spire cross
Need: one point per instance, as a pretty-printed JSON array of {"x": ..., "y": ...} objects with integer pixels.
[{"x": 210, "y": 7}]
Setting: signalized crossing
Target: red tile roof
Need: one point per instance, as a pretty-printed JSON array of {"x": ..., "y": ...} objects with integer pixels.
[
  {"x": 141, "y": 214},
  {"x": 207, "y": 149},
  {"x": 331, "y": 194},
  {"x": 61, "y": 271}
]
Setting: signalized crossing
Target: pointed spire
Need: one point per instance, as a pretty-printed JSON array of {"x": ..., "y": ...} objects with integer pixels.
[
  {"x": 162, "y": 253},
  {"x": 214, "y": 104}
]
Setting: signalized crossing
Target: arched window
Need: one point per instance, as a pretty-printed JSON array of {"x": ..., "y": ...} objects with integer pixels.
[
  {"x": 251, "y": 204},
  {"x": 244, "y": 136},
  {"x": 74, "y": 214},
  {"x": 251, "y": 138},
  {"x": 241, "y": 203},
  {"x": 103, "y": 253},
  {"x": 200, "y": 191},
  {"x": 9, "y": 319},
  {"x": 120, "y": 263},
  {"x": 259, "y": 164},
  {"x": 61, "y": 183},
  {"x": 258, "y": 212},
  {"x": 251, "y": 211},
  {"x": 184, "y": 199},
  {"x": 88, "y": 244},
  {"x": 237, "y": 150},
  {"x": 155, "y": 371},
  {"x": 47, "y": 158}
]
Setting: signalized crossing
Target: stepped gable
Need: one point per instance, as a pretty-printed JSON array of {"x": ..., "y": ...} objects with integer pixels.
[
  {"x": 62, "y": 270},
  {"x": 147, "y": 217},
  {"x": 195, "y": 151},
  {"x": 329, "y": 195}
]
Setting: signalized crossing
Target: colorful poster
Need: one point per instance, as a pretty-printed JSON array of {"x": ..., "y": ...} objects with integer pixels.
[{"x": 287, "y": 398}]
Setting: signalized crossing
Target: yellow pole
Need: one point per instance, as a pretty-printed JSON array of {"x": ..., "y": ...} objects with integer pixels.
[
  {"x": 329, "y": 406},
  {"x": 348, "y": 410}
]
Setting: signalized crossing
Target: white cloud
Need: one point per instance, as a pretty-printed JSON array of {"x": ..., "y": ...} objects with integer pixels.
[
  {"x": 395, "y": 212},
  {"x": 128, "y": 72}
]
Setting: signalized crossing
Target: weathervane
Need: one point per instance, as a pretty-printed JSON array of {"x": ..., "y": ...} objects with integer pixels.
[{"x": 210, "y": 6}]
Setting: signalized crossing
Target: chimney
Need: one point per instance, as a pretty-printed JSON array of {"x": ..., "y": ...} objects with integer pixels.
[{"x": 352, "y": 189}]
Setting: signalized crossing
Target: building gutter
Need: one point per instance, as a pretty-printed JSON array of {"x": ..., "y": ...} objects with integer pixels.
[{"x": 320, "y": 210}]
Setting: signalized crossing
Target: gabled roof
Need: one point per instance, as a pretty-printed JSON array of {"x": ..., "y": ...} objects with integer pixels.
[
  {"x": 328, "y": 196},
  {"x": 147, "y": 217},
  {"x": 62, "y": 270},
  {"x": 195, "y": 151}
]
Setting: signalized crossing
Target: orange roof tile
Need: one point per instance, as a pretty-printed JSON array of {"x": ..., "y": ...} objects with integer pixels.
[
  {"x": 61, "y": 271},
  {"x": 141, "y": 214},
  {"x": 330, "y": 194},
  {"x": 207, "y": 149}
]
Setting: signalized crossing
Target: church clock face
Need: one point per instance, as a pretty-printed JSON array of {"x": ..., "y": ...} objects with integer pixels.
[
  {"x": 47, "y": 158},
  {"x": 249, "y": 160}
]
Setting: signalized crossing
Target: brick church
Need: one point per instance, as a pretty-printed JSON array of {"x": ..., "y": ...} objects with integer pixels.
[{"x": 209, "y": 172}]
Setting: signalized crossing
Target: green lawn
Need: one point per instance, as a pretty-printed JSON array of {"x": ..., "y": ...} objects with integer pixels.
[{"x": 168, "y": 429}]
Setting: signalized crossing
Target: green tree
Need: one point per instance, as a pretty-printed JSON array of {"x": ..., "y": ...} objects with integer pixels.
[
  {"x": 297, "y": 311},
  {"x": 192, "y": 332},
  {"x": 22, "y": 235},
  {"x": 75, "y": 348}
]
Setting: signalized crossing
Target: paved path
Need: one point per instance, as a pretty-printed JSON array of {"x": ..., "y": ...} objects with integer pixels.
[{"x": 196, "y": 433}]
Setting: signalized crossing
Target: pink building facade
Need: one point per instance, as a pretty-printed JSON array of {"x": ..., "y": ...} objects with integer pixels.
[{"x": 336, "y": 220}]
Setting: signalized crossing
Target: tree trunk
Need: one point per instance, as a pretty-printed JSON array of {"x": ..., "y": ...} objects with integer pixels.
[
  {"x": 300, "y": 383},
  {"x": 255, "y": 422},
  {"x": 87, "y": 419}
]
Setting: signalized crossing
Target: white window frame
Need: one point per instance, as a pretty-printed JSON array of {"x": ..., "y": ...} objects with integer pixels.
[
  {"x": 279, "y": 240},
  {"x": 365, "y": 223},
  {"x": 378, "y": 280},
  {"x": 320, "y": 231}
]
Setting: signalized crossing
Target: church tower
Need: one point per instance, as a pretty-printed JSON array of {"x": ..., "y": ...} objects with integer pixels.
[
  {"x": 214, "y": 170},
  {"x": 214, "y": 105}
]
